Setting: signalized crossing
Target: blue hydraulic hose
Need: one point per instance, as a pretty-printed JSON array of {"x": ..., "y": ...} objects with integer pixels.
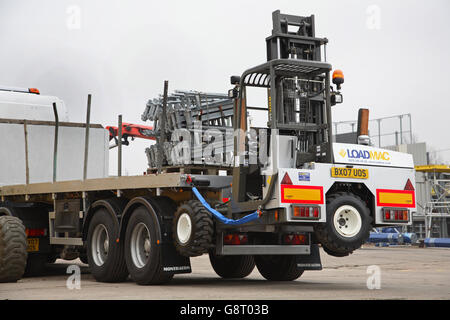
[{"x": 221, "y": 217}]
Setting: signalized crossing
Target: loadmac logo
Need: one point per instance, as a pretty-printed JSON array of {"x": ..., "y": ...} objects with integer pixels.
[{"x": 364, "y": 154}]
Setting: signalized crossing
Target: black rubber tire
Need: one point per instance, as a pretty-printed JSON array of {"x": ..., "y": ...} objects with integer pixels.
[
  {"x": 36, "y": 264},
  {"x": 332, "y": 242},
  {"x": 52, "y": 258},
  {"x": 13, "y": 249},
  {"x": 83, "y": 258},
  {"x": 152, "y": 272},
  {"x": 201, "y": 238},
  {"x": 336, "y": 253},
  {"x": 278, "y": 267},
  {"x": 229, "y": 267},
  {"x": 114, "y": 268}
]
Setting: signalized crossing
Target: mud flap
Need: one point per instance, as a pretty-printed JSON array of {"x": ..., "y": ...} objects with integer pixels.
[
  {"x": 312, "y": 261},
  {"x": 172, "y": 261}
]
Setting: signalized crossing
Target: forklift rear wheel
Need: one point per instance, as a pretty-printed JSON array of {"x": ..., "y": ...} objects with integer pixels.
[
  {"x": 348, "y": 224},
  {"x": 335, "y": 253},
  {"x": 193, "y": 229},
  {"x": 142, "y": 249},
  {"x": 13, "y": 249},
  {"x": 278, "y": 267},
  {"x": 232, "y": 266}
]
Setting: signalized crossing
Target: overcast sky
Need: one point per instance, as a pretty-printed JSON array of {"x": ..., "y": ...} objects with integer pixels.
[{"x": 395, "y": 55}]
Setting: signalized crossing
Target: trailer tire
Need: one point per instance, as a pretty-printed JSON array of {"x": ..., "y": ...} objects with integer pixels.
[
  {"x": 13, "y": 249},
  {"x": 348, "y": 224},
  {"x": 105, "y": 255},
  {"x": 278, "y": 267},
  {"x": 143, "y": 251},
  {"x": 52, "y": 258},
  {"x": 36, "y": 264},
  {"x": 232, "y": 266},
  {"x": 83, "y": 258},
  {"x": 193, "y": 229}
]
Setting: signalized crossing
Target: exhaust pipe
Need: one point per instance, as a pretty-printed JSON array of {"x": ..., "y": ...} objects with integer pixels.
[{"x": 363, "y": 127}]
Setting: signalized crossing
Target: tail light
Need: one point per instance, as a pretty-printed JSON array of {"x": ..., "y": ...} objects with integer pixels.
[
  {"x": 286, "y": 179},
  {"x": 295, "y": 239},
  {"x": 305, "y": 212},
  {"x": 316, "y": 212},
  {"x": 395, "y": 215},
  {"x": 409, "y": 185},
  {"x": 36, "y": 232},
  {"x": 235, "y": 239}
]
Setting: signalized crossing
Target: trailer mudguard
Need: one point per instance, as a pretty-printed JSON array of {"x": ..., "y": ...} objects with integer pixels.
[
  {"x": 171, "y": 260},
  {"x": 312, "y": 261}
]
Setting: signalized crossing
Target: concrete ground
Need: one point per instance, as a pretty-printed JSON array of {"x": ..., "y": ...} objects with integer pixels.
[{"x": 405, "y": 273}]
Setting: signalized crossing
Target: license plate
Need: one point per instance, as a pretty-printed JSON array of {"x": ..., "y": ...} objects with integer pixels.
[
  {"x": 33, "y": 244},
  {"x": 354, "y": 173}
]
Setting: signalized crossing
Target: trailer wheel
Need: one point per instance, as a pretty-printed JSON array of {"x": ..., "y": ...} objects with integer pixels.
[
  {"x": 193, "y": 229},
  {"x": 232, "y": 266},
  {"x": 105, "y": 254},
  {"x": 142, "y": 250},
  {"x": 13, "y": 249},
  {"x": 278, "y": 267},
  {"x": 348, "y": 224}
]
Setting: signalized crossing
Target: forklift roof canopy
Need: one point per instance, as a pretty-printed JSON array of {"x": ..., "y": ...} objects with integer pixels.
[{"x": 259, "y": 76}]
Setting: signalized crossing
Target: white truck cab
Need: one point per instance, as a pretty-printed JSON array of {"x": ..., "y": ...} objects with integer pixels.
[
  {"x": 29, "y": 104},
  {"x": 27, "y": 128}
]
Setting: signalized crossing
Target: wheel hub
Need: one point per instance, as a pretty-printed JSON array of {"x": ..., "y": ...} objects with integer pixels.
[
  {"x": 106, "y": 246},
  {"x": 184, "y": 228},
  {"x": 147, "y": 246},
  {"x": 140, "y": 245},
  {"x": 347, "y": 221},
  {"x": 100, "y": 244}
]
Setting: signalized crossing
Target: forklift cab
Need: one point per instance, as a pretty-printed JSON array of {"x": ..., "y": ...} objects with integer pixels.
[
  {"x": 299, "y": 120},
  {"x": 298, "y": 109}
]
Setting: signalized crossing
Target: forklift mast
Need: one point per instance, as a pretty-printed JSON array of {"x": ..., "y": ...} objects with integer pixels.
[
  {"x": 299, "y": 101},
  {"x": 282, "y": 42}
]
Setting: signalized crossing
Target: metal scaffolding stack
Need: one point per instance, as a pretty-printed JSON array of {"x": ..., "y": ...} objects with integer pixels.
[
  {"x": 197, "y": 129},
  {"x": 435, "y": 209}
]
